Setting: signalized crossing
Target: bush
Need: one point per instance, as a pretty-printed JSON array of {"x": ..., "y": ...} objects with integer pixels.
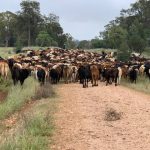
[{"x": 44, "y": 91}]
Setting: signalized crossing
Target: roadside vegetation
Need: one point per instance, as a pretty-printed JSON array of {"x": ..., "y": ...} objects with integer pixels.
[
  {"x": 36, "y": 129},
  {"x": 36, "y": 125},
  {"x": 17, "y": 97},
  {"x": 142, "y": 85}
]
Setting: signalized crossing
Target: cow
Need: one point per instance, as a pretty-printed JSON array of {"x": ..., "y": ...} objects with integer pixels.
[
  {"x": 111, "y": 75},
  {"x": 74, "y": 74},
  {"x": 147, "y": 70},
  {"x": 119, "y": 74},
  {"x": 67, "y": 73},
  {"x": 41, "y": 74},
  {"x": 94, "y": 74},
  {"x": 4, "y": 69},
  {"x": 84, "y": 75},
  {"x": 54, "y": 76},
  {"x": 133, "y": 74},
  {"x": 19, "y": 74}
]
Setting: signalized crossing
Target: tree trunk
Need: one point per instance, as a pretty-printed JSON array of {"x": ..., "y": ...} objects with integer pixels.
[
  {"x": 29, "y": 35},
  {"x": 6, "y": 41}
]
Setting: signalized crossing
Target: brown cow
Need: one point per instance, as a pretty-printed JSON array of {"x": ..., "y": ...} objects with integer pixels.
[
  {"x": 4, "y": 69},
  {"x": 95, "y": 74}
]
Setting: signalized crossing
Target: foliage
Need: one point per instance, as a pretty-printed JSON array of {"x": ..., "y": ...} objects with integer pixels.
[
  {"x": 84, "y": 44},
  {"x": 28, "y": 24},
  {"x": 132, "y": 26},
  {"x": 123, "y": 52},
  {"x": 44, "y": 39}
]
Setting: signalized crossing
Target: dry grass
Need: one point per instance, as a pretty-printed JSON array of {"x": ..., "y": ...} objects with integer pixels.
[
  {"x": 44, "y": 91},
  {"x": 142, "y": 85},
  {"x": 112, "y": 115}
]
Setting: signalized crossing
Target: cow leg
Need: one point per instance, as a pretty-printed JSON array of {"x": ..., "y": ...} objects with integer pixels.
[
  {"x": 107, "y": 80},
  {"x": 115, "y": 81},
  {"x": 87, "y": 83},
  {"x": 83, "y": 83}
]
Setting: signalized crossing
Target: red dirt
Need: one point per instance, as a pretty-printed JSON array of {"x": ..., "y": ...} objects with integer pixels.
[{"x": 81, "y": 125}]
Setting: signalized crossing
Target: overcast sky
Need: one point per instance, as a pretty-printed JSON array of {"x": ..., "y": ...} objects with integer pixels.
[{"x": 83, "y": 19}]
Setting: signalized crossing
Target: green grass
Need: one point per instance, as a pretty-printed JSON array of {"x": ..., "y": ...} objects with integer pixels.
[
  {"x": 35, "y": 135},
  {"x": 99, "y": 50},
  {"x": 37, "y": 129},
  {"x": 6, "y": 51},
  {"x": 142, "y": 85},
  {"x": 17, "y": 97}
]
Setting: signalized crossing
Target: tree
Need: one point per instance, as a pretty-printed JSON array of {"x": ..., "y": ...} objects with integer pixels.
[
  {"x": 70, "y": 42},
  {"x": 7, "y": 27},
  {"x": 28, "y": 20},
  {"x": 84, "y": 44},
  {"x": 44, "y": 39},
  {"x": 137, "y": 41},
  {"x": 123, "y": 53}
]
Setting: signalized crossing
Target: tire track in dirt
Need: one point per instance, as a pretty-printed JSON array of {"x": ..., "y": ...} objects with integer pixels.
[{"x": 80, "y": 123}]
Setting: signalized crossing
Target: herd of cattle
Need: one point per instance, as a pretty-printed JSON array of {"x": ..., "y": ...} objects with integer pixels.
[{"x": 54, "y": 65}]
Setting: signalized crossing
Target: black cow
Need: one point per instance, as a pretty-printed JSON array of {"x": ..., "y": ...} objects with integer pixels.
[
  {"x": 133, "y": 75},
  {"x": 111, "y": 75},
  {"x": 19, "y": 74},
  {"x": 147, "y": 70},
  {"x": 54, "y": 75},
  {"x": 41, "y": 75},
  {"x": 84, "y": 75}
]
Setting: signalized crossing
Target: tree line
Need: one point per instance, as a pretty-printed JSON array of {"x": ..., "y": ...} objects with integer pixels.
[
  {"x": 130, "y": 31},
  {"x": 28, "y": 27}
]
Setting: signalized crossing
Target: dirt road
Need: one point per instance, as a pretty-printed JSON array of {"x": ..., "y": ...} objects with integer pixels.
[{"x": 81, "y": 125}]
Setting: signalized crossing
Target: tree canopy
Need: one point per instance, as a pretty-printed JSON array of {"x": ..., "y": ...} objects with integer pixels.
[{"x": 30, "y": 27}]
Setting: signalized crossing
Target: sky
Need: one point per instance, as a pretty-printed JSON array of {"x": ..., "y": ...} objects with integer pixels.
[{"x": 83, "y": 19}]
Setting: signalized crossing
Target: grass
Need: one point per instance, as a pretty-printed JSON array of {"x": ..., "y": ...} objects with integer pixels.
[
  {"x": 36, "y": 131},
  {"x": 142, "y": 85},
  {"x": 17, "y": 97},
  {"x": 6, "y": 51},
  {"x": 99, "y": 50},
  {"x": 35, "y": 135}
]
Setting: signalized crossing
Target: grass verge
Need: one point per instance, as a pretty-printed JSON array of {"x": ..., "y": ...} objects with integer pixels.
[
  {"x": 34, "y": 129},
  {"x": 17, "y": 97},
  {"x": 142, "y": 85},
  {"x": 37, "y": 128}
]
